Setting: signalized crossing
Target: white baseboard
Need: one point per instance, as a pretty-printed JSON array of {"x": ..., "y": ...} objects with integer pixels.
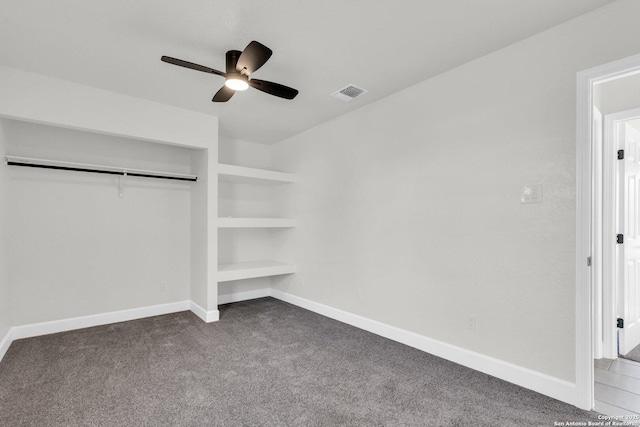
[
  {"x": 562, "y": 390},
  {"x": 244, "y": 296},
  {"x": 5, "y": 343},
  {"x": 55, "y": 326},
  {"x": 44, "y": 328},
  {"x": 207, "y": 316}
]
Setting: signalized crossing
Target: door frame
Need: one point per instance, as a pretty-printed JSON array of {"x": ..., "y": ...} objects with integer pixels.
[
  {"x": 584, "y": 219},
  {"x": 610, "y": 254},
  {"x": 597, "y": 258}
]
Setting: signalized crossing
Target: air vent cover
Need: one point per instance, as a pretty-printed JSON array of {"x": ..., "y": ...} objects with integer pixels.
[{"x": 349, "y": 92}]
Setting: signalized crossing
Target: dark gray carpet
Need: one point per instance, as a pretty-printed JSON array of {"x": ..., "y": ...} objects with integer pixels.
[{"x": 266, "y": 363}]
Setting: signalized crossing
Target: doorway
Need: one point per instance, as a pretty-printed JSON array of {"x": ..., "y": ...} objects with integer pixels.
[
  {"x": 616, "y": 254},
  {"x": 621, "y": 223},
  {"x": 592, "y": 270}
]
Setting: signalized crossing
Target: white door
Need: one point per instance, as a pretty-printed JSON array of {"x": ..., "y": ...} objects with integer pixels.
[{"x": 629, "y": 250}]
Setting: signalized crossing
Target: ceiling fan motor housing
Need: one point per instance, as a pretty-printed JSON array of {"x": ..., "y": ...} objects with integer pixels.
[
  {"x": 235, "y": 79},
  {"x": 232, "y": 61}
]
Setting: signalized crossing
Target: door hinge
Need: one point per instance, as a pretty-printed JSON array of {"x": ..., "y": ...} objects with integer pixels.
[
  {"x": 588, "y": 261},
  {"x": 620, "y": 323},
  {"x": 620, "y": 154},
  {"x": 620, "y": 239}
]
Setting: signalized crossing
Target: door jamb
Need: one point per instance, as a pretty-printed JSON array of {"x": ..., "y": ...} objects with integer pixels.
[
  {"x": 584, "y": 221},
  {"x": 597, "y": 263}
]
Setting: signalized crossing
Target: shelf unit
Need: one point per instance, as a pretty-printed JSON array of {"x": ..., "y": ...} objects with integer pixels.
[
  {"x": 241, "y": 174},
  {"x": 256, "y": 223},
  {"x": 249, "y": 270}
]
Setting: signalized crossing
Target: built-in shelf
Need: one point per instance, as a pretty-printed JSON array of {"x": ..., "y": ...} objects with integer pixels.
[
  {"x": 256, "y": 223},
  {"x": 250, "y": 270},
  {"x": 241, "y": 174}
]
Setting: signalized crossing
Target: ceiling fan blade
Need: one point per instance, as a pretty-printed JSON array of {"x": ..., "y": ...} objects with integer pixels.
[
  {"x": 253, "y": 57},
  {"x": 223, "y": 95},
  {"x": 275, "y": 89},
  {"x": 191, "y": 65}
]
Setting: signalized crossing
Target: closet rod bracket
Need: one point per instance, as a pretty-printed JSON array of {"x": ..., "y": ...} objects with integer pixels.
[{"x": 121, "y": 183}]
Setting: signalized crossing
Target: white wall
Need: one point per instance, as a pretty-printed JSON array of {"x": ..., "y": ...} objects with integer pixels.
[
  {"x": 5, "y": 316},
  {"x": 47, "y": 100},
  {"x": 40, "y": 99},
  {"x": 200, "y": 199},
  {"x": 235, "y": 151},
  {"x": 618, "y": 95},
  {"x": 409, "y": 208},
  {"x": 76, "y": 247}
]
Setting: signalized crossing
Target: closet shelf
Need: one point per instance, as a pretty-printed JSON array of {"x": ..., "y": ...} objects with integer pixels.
[
  {"x": 241, "y": 174},
  {"x": 256, "y": 223},
  {"x": 250, "y": 270}
]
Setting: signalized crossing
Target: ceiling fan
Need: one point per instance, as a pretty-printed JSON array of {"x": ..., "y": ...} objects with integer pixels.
[{"x": 240, "y": 65}]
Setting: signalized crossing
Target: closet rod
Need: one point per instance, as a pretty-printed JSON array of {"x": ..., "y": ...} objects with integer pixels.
[{"x": 83, "y": 167}]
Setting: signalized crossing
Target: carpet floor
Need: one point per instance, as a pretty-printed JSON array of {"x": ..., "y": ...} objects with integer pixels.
[{"x": 266, "y": 363}]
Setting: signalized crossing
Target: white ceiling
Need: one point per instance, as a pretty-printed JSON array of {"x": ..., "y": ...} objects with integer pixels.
[{"x": 319, "y": 47}]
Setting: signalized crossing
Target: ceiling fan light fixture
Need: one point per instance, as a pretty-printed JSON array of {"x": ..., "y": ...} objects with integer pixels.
[{"x": 236, "y": 82}]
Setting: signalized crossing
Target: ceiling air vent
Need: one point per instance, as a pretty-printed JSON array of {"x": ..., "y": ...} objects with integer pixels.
[{"x": 349, "y": 92}]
